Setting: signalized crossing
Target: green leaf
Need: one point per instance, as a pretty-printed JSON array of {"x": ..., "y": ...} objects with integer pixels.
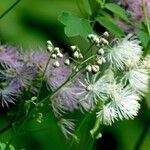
[
  {"x": 11, "y": 147},
  {"x": 119, "y": 11},
  {"x": 109, "y": 25},
  {"x": 144, "y": 38},
  {"x": 75, "y": 25},
  {"x": 2, "y": 146},
  {"x": 87, "y": 6}
]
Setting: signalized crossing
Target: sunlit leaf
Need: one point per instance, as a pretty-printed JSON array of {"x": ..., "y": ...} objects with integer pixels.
[
  {"x": 75, "y": 25},
  {"x": 109, "y": 25},
  {"x": 119, "y": 11},
  {"x": 144, "y": 38}
]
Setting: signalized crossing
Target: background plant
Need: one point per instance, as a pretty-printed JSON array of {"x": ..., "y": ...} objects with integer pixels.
[{"x": 87, "y": 22}]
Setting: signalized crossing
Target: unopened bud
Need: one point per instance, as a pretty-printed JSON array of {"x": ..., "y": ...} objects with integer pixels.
[
  {"x": 67, "y": 62},
  {"x": 56, "y": 49},
  {"x": 90, "y": 37},
  {"x": 54, "y": 56},
  {"x": 89, "y": 88},
  {"x": 103, "y": 59},
  {"x": 95, "y": 68},
  {"x": 49, "y": 48},
  {"x": 99, "y": 61},
  {"x": 80, "y": 56},
  {"x": 75, "y": 69},
  {"x": 73, "y": 48},
  {"x": 96, "y": 40},
  {"x": 60, "y": 55},
  {"x": 104, "y": 41},
  {"x": 49, "y": 43},
  {"x": 100, "y": 51},
  {"x": 76, "y": 54},
  {"x": 56, "y": 64},
  {"x": 106, "y": 34},
  {"x": 88, "y": 68}
]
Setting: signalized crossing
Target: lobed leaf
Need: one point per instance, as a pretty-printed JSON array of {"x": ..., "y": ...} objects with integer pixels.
[
  {"x": 108, "y": 24},
  {"x": 75, "y": 25}
]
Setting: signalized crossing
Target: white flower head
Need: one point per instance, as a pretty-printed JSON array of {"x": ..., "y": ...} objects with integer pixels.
[
  {"x": 94, "y": 89},
  {"x": 138, "y": 79},
  {"x": 125, "y": 101},
  {"x": 107, "y": 115},
  {"x": 123, "y": 105},
  {"x": 126, "y": 52},
  {"x": 146, "y": 62}
]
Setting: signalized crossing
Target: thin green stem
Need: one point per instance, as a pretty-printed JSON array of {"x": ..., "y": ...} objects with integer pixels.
[
  {"x": 146, "y": 16},
  {"x": 142, "y": 136},
  {"x": 16, "y": 134},
  {"x": 6, "y": 128},
  {"x": 43, "y": 75},
  {"x": 9, "y": 9},
  {"x": 78, "y": 129},
  {"x": 88, "y": 49}
]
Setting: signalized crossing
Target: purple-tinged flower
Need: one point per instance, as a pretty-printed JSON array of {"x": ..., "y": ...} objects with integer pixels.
[
  {"x": 8, "y": 93},
  {"x": 57, "y": 75},
  {"x": 21, "y": 73},
  {"x": 37, "y": 58},
  {"x": 134, "y": 7},
  {"x": 67, "y": 99},
  {"x": 8, "y": 55}
]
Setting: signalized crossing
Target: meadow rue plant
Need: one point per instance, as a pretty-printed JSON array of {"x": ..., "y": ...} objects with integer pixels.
[
  {"x": 134, "y": 7},
  {"x": 109, "y": 82},
  {"x": 138, "y": 10}
]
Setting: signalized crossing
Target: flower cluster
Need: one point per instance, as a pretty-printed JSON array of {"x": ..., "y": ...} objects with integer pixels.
[{"x": 110, "y": 81}]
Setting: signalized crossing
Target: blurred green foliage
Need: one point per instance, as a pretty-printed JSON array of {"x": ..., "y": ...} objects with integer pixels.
[{"x": 29, "y": 25}]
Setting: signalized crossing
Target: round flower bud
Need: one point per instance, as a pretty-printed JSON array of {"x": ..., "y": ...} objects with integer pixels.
[
  {"x": 76, "y": 69},
  {"x": 100, "y": 51},
  {"x": 104, "y": 41},
  {"x": 60, "y": 55},
  {"x": 103, "y": 59},
  {"x": 96, "y": 40},
  {"x": 90, "y": 37},
  {"x": 54, "y": 56},
  {"x": 89, "y": 88},
  {"x": 76, "y": 54},
  {"x": 80, "y": 56},
  {"x": 67, "y": 62},
  {"x": 49, "y": 48},
  {"x": 99, "y": 61},
  {"x": 73, "y": 48},
  {"x": 106, "y": 34},
  {"x": 95, "y": 68},
  {"x": 56, "y": 64},
  {"x": 56, "y": 49},
  {"x": 88, "y": 68},
  {"x": 49, "y": 43}
]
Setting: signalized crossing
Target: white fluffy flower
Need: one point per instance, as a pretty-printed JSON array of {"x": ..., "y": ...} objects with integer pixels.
[
  {"x": 123, "y": 105},
  {"x": 125, "y": 101},
  {"x": 107, "y": 115},
  {"x": 94, "y": 89},
  {"x": 138, "y": 79},
  {"x": 126, "y": 52},
  {"x": 146, "y": 62},
  {"x": 67, "y": 126}
]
